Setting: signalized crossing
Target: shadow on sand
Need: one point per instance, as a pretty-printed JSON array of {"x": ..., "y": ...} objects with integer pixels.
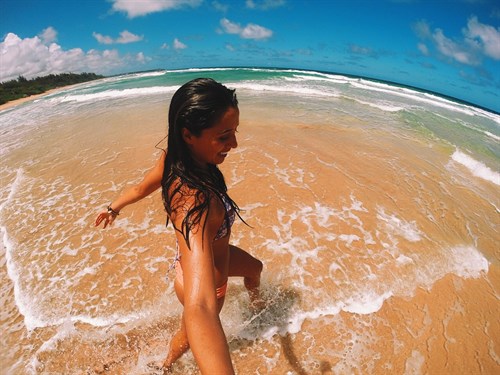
[{"x": 274, "y": 321}]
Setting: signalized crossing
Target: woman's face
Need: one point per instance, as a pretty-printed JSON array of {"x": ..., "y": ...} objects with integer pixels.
[{"x": 213, "y": 144}]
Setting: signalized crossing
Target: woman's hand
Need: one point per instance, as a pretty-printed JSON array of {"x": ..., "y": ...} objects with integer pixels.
[
  {"x": 107, "y": 217},
  {"x": 150, "y": 183}
]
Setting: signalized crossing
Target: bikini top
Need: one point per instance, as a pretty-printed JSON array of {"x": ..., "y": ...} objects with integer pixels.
[
  {"x": 228, "y": 219},
  {"x": 221, "y": 233}
]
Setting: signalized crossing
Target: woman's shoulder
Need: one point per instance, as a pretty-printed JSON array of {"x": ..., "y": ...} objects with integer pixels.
[{"x": 185, "y": 198}]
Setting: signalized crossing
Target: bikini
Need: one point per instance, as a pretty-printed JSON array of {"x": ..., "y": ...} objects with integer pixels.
[
  {"x": 222, "y": 232},
  {"x": 228, "y": 220}
]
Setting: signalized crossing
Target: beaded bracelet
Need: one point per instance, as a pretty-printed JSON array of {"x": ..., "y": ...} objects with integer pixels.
[{"x": 112, "y": 212}]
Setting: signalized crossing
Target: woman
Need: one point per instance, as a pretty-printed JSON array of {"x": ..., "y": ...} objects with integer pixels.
[{"x": 203, "y": 121}]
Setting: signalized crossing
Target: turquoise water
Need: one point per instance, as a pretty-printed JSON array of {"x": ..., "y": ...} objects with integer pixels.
[{"x": 472, "y": 130}]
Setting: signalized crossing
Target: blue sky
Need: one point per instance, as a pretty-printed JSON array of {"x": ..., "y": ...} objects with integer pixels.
[{"x": 448, "y": 46}]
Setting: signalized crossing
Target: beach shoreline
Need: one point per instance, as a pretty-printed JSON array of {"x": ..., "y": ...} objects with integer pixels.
[{"x": 14, "y": 103}]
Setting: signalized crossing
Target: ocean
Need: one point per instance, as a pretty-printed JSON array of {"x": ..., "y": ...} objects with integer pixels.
[{"x": 374, "y": 207}]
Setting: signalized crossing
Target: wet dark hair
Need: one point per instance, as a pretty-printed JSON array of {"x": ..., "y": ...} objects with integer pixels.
[{"x": 197, "y": 105}]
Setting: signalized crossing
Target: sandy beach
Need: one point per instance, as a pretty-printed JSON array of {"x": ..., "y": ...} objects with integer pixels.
[{"x": 380, "y": 255}]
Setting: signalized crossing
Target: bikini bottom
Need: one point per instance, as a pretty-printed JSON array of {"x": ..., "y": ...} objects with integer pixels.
[{"x": 220, "y": 291}]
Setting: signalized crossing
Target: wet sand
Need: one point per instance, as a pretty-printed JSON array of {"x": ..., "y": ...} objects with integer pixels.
[{"x": 366, "y": 239}]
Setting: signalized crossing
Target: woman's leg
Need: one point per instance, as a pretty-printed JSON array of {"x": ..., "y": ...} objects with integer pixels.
[
  {"x": 244, "y": 265},
  {"x": 178, "y": 346}
]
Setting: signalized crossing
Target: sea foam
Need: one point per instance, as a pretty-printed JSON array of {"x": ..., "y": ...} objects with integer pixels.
[
  {"x": 292, "y": 89},
  {"x": 114, "y": 94},
  {"x": 22, "y": 303},
  {"x": 477, "y": 168},
  {"x": 467, "y": 262}
]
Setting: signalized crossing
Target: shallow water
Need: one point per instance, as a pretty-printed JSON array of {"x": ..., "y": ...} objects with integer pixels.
[{"x": 377, "y": 227}]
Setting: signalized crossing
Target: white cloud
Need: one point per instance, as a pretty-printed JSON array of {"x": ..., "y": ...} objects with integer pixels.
[
  {"x": 179, "y": 45},
  {"x": 220, "y": 7},
  {"x": 124, "y": 38},
  {"x": 452, "y": 49},
  {"x": 140, "y": 58},
  {"x": 136, "y": 8},
  {"x": 486, "y": 37},
  {"x": 48, "y": 35},
  {"x": 176, "y": 44},
  {"x": 250, "y": 31},
  {"x": 423, "y": 48},
  {"x": 230, "y": 27},
  {"x": 478, "y": 40},
  {"x": 102, "y": 38},
  {"x": 31, "y": 57},
  {"x": 264, "y": 4},
  {"x": 128, "y": 37},
  {"x": 362, "y": 50},
  {"x": 422, "y": 29}
]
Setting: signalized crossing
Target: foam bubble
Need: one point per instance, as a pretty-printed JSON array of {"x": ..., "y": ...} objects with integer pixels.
[
  {"x": 477, "y": 168},
  {"x": 407, "y": 230},
  {"x": 467, "y": 262},
  {"x": 348, "y": 238},
  {"x": 366, "y": 303},
  {"x": 403, "y": 259},
  {"x": 413, "y": 365}
]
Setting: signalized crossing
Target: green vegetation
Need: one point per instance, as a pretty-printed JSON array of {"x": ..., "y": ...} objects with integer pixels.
[{"x": 22, "y": 87}]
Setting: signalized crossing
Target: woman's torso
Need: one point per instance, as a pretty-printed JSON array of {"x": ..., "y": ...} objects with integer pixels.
[{"x": 220, "y": 241}]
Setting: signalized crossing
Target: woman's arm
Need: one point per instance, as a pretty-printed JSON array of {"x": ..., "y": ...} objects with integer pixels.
[
  {"x": 201, "y": 311},
  {"x": 150, "y": 182}
]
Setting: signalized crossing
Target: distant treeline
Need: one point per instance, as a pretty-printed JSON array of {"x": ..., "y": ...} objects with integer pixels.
[{"x": 22, "y": 87}]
